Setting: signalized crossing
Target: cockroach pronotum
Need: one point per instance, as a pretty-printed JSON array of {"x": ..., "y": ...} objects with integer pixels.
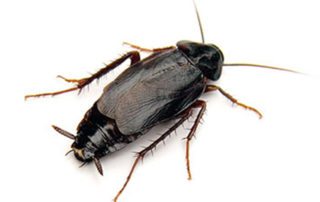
[{"x": 165, "y": 86}]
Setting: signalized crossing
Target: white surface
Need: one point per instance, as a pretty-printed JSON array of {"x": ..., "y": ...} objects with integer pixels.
[{"x": 235, "y": 157}]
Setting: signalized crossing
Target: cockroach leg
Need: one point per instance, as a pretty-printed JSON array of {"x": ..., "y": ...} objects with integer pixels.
[
  {"x": 202, "y": 105},
  {"x": 69, "y": 80},
  {"x": 142, "y": 153},
  {"x": 51, "y": 93},
  {"x": 148, "y": 49},
  {"x": 133, "y": 55},
  {"x": 210, "y": 88}
]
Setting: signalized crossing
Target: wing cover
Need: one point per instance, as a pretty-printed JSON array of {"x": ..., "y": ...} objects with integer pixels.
[{"x": 151, "y": 92}]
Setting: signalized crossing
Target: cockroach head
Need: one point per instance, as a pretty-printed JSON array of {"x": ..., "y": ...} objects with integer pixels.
[{"x": 207, "y": 57}]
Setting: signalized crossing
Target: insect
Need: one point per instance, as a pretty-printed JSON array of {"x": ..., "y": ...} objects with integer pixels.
[{"x": 165, "y": 86}]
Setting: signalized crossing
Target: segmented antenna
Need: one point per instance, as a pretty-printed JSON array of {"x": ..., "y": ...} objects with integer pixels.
[
  {"x": 262, "y": 66},
  {"x": 199, "y": 21},
  {"x": 240, "y": 64}
]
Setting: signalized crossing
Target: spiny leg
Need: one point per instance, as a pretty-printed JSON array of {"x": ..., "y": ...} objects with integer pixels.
[
  {"x": 210, "y": 88},
  {"x": 142, "y": 153},
  {"x": 77, "y": 81},
  {"x": 80, "y": 83},
  {"x": 202, "y": 105},
  {"x": 148, "y": 49},
  {"x": 134, "y": 56}
]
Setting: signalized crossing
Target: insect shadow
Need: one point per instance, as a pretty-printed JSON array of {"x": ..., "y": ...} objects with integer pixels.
[{"x": 165, "y": 86}]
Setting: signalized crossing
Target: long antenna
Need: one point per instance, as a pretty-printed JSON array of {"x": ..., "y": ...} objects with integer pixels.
[
  {"x": 199, "y": 21},
  {"x": 262, "y": 66}
]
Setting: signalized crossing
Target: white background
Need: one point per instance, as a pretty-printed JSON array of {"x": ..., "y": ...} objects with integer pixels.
[{"x": 235, "y": 157}]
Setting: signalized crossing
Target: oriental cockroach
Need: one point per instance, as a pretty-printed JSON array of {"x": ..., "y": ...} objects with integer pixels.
[{"x": 165, "y": 86}]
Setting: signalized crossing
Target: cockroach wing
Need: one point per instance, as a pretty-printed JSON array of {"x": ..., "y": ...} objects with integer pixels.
[
  {"x": 151, "y": 92},
  {"x": 157, "y": 99}
]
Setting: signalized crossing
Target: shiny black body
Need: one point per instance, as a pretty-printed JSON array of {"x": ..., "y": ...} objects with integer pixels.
[
  {"x": 98, "y": 135},
  {"x": 156, "y": 89},
  {"x": 166, "y": 85}
]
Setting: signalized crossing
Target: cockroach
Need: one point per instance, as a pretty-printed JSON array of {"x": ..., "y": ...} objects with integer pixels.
[{"x": 165, "y": 86}]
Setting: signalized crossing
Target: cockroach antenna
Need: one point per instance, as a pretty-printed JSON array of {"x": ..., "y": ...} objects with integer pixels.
[
  {"x": 239, "y": 64},
  {"x": 199, "y": 21},
  {"x": 261, "y": 66}
]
